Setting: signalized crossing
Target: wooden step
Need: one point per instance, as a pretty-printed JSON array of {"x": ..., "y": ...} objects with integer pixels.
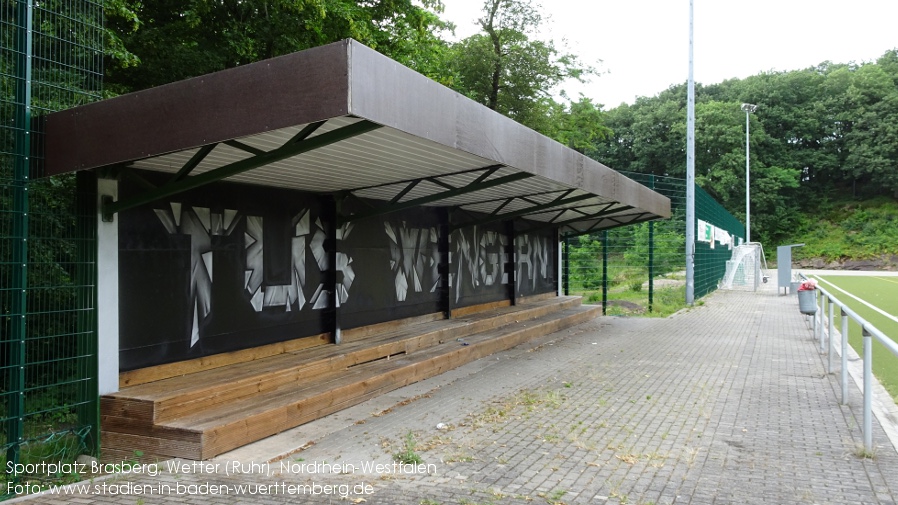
[
  {"x": 180, "y": 422},
  {"x": 178, "y": 396}
]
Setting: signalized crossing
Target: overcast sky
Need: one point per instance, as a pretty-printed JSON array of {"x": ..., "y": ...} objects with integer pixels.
[{"x": 644, "y": 44}]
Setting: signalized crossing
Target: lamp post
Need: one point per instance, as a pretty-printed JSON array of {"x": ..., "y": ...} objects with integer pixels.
[
  {"x": 690, "y": 171},
  {"x": 748, "y": 108}
]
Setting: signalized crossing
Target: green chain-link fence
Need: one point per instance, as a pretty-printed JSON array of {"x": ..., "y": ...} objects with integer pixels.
[
  {"x": 642, "y": 268},
  {"x": 50, "y": 59}
]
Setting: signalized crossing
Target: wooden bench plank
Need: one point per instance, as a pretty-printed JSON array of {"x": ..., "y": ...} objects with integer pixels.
[
  {"x": 206, "y": 413},
  {"x": 226, "y": 384},
  {"x": 251, "y": 419}
]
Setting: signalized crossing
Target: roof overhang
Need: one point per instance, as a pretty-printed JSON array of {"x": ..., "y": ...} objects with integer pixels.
[{"x": 346, "y": 120}]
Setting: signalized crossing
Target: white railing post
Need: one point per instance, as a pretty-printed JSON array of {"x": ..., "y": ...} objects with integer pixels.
[
  {"x": 868, "y": 332},
  {"x": 831, "y": 347},
  {"x": 868, "y": 391},
  {"x": 814, "y": 319},
  {"x": 820, "y": 306},
  {"x": 844, "y": 356}
]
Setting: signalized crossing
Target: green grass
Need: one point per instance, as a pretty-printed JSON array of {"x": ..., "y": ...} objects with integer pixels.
[
  {"x": 626, "y": 301},
  {"x": 848, "y": 229},
  {"x": 407, "y": 455},
  {"x": 881, "y": 292},
  {"x": 61, "y": 447}
]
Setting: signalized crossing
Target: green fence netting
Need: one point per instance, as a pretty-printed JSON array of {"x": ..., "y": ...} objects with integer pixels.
[
  {"x": 50, "y": 59},
  {"x": 642, "y": 268}
]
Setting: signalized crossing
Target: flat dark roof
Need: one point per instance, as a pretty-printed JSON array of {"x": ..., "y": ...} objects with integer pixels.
[{"x": 343, "y": 118}]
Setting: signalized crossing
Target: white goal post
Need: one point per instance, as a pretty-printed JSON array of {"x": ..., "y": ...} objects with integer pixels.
[{"x": 746, "y": 269}]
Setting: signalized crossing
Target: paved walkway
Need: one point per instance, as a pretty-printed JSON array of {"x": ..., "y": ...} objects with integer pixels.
[{"x": 727, "y": 402}]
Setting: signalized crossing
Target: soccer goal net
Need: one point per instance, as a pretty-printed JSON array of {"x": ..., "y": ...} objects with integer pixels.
[{"x": 745, "y": 269}]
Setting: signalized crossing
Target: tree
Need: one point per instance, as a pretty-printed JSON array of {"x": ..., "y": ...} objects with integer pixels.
[
  {"x": 579, "y": 125},
  {"x": 175, "y": 40},
  {"x": 648, "y": 137},
  {"x": 873, "y": 140},
  {"x": 508, "y": 69},
  {"x": 585, "y": 263}
]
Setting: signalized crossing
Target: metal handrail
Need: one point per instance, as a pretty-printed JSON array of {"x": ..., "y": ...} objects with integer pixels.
[{"x": 869, "y": 332}]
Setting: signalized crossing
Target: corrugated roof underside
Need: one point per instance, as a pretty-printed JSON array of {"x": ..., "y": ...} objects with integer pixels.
[{"x": 379, "y": 161}]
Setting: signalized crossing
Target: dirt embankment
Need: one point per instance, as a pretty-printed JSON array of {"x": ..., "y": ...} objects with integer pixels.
[{"x": 885, "y": 262}]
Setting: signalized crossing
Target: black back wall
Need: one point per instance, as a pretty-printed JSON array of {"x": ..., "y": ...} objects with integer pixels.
[
  {"x": 394, "y": 262},
  {"x": 536, "y": 259},
  {"x": 226, "y": 268},
  {"x": 229, "y": 266}
]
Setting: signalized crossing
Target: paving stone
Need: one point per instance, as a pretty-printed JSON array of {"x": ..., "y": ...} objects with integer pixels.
[{"x": 727, "y": 402}]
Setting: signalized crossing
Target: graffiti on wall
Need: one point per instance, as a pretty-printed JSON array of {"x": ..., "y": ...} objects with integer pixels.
[
  {"x": 414, "y": 259},
  {"x": 260, "y": 274},
  {"x": 480, "y": 259},
  {"x": 413, "y": 252},
  {"x": 293, "y": 294},
  {"x": 482, "y": 255},
  {"x": 533, "y": 259},
  {"x": 201, "y": 224}
]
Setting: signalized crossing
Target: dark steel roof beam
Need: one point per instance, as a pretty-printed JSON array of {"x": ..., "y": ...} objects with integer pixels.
[
  {"x": 477, "y": 185},
  {"x": 129, "y": 173},
  {"x": 236, "y": 144},
  {"x": 456, "y": 210},
  {"x": 405, "y": 191},
  {"x": 438, "y": 182},
  {"x": 617, "y": 220},
  {"x": 490, "y": 169},
  {"x": 192, "y": 163},
  {"x": 502, "y": 205},
  {"x": 305, "y": 132},
  {"x": 639, "y": 217},
  {"x": 288, "y": 150},
  {"x": 563, "y": 209},
  {"x": 507, "y": 200},
  {"x": 579, "y": 209},
  {"x": 602, "y": 213},
  {"x": 502, "y": 199},
  {"x": 522, "y": 212},
  {"x": 559, "y": 214},
  {"x": 534, "y": 202},
  {"x": 488, "y": 172}
]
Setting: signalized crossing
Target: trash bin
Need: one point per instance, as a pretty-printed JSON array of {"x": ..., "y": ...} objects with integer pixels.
[
  {"x": 807, "y": 301},
  {"x": 807, "y": 297}
]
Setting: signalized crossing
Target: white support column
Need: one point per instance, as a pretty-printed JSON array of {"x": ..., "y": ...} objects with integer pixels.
[{"x": 107, "y": 292}]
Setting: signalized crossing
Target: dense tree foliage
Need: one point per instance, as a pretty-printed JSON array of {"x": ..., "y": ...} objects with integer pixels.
[
  {"x": 168, "y": 40},
  {"x": 508, "y": 68},
  {"x": 818, "y": 134}
]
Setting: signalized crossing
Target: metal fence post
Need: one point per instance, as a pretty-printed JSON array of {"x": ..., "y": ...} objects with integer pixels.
[
  {"x": 651, "y": 252},
  {"x": 868, "y": 390},
  {"x": 844, "y": 372},
  {"x": 566, "y": 272},
  {"x": 511, "y": 252},
  {"x": 86, "y": 278},
  {"x": 604, "y": 272},
  {"x": 22, "y": 168}
]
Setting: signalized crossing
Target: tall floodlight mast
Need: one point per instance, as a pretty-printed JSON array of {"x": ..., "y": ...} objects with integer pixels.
[
  {"x": 748, "y": 108},
  {"x": 690, "y": 174}
]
